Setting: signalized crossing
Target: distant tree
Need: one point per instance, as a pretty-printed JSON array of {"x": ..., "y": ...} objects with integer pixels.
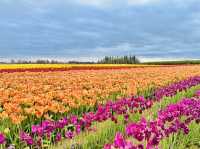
[
  {"x": 12, "y": 61},
  {"x": 119, "y": 60}
]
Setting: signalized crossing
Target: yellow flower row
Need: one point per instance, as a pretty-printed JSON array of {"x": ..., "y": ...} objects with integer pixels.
[{"x": 42, "y": 66}]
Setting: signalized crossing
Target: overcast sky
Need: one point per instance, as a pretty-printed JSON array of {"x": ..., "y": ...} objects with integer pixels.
[{"x": 90, "y": 29}]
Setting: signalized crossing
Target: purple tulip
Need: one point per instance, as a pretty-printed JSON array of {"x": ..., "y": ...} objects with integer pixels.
[
  {"x": 34, "y": 128},
  {"x": 2, "y": 139},
  {"x": 58, "y": 137},
  {"x": 119, "y": 140},
  {"x": 26, "y": 138},
  {"x": 69, "y": 134}
]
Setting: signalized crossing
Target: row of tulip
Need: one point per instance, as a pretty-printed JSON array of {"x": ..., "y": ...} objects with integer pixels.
[
  {"x": 54, "y": 131},
  {"x": 53, "y": 94},
  {"x": 10, "y": 68},
  {"x": 176, "y": 87},
  {"x": 148, "y": 134}
]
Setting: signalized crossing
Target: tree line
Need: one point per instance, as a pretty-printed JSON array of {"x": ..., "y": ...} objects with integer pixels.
[
  {"x": 36, "y": 62},
  {"x": 119, "y": 60},
  {"x": 105, "y": 60}
]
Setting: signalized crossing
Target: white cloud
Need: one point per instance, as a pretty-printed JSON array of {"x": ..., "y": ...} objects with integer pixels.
[
  {"x": 141, "y": 2},
  {"x": 107, "y": 3},
  {"x": 97, "y": 3},
  {"x": 87, "y": 34},
  {"x": 125, "y": 47}
]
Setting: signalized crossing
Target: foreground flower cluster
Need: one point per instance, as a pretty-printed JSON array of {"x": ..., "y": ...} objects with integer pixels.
[
  {"x": 70, "y": 126},
  {"x": 26, "y": 94},
  {"x": 171, "y": 120}
]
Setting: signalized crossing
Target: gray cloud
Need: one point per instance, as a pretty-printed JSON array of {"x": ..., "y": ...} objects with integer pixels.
[{"x": 147, "y": 28}]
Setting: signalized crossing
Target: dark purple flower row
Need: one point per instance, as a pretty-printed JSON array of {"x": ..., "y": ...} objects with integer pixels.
[
  {"x": 172, "y": 119},
  {"x": 70, "y": 126},
  {"x": 73, "y": 125},
  {"x": 172, "y": 89}
]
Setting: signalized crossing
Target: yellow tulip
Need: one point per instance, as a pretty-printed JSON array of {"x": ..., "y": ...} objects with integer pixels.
[{"x": 6, "y": 131}]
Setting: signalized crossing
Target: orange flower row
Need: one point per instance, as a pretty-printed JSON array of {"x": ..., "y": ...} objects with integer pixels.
[{"x": 38, "y": 93}]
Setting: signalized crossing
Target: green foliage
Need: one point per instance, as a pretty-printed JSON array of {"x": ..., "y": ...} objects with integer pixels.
[{"x": 119, "y": 60}]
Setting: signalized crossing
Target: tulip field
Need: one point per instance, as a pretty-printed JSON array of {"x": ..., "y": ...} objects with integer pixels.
[{"x": 99, "y": 106}]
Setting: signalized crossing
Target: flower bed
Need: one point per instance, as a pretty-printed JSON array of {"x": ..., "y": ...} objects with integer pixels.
[{"x": 68, "y": 127}]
